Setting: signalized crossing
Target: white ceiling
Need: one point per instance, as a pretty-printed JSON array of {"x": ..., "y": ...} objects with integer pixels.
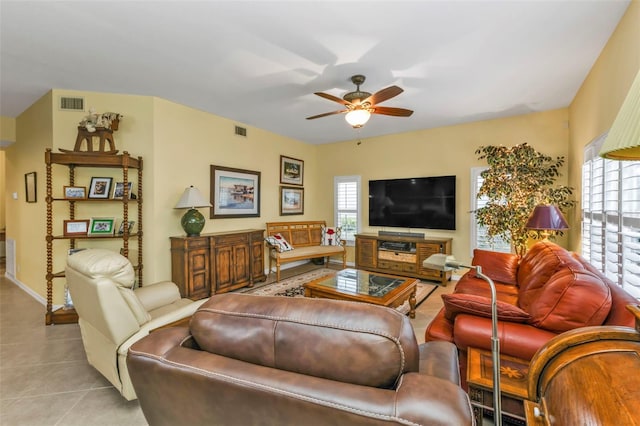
[{"x": 258, "y": 63}]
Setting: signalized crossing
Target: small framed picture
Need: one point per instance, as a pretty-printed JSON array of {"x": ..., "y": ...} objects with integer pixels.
[
  {"x": 101, "y": 226},
  {"x": 118, "y": 190},
  {"x": 30, "y": 187},
  {"x": 76, "y": 227},
  {"x": 75, "y": 192},
  {"x": 129, "y": 228},
  {"x": 291, "y": 171},
  {"x": 100, "y": 187},
  {"x": 291, "y": 200}
]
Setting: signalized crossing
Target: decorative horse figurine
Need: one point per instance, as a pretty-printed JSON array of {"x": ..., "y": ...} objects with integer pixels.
[{"x": 97, "y": 125}]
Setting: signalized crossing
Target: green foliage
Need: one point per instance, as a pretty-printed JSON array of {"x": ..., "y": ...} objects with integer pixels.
[{"x": 518, "y": 179}]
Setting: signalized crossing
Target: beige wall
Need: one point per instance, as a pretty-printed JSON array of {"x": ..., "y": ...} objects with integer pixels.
[
  {"x": 7, "y": 136},
  {"x": 187, "y": 142},
  {"x": 437, "y": 152},
  {"x": 26, "y": 222},
  {"x": 596, "y": 104},
  {"x": 3, "y": 200},
  {"x": 7, "y": 129},
  {"x": 178, "y": 144}
]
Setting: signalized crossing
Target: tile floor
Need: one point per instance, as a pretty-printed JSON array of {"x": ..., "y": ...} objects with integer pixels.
[{"x": 46, "y": 380}]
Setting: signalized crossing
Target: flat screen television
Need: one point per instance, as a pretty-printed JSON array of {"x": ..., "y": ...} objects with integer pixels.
[{"x": 424, "y": 202}]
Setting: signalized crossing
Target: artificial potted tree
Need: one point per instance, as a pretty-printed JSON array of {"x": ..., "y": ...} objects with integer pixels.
[{"x": 518, "y": 179}]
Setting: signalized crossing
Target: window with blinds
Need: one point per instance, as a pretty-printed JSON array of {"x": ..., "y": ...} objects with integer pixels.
[
  {"x": 611, "y": 217},
  {"x": 347, "y": 206},
  {"x": 479, "y": 237}
]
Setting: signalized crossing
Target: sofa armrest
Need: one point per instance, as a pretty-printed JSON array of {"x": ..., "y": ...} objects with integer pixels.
[
  {"x": 446, "y": 402},
  {"x": 516, "y": 339},
  {"x": 440, "y": 359},
  {"x": 173, "y": 316},
  {"x": 157, "y": 295}
]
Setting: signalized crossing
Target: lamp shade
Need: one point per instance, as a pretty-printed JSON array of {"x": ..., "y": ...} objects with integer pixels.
[
  {"x": 357, "y": 117},
  {"x": 192, "y": 221},
  {"x": 623, "y": 140},
  {"x": 546, "y": 218},
  {"x": 192, "y": 198}
]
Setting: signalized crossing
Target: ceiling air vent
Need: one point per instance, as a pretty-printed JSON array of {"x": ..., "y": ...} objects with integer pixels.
[
  {"x": 71, "y": 104},
  {"x": 241, "y": 131}
]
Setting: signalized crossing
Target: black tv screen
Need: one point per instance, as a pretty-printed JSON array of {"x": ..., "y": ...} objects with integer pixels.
[{"x": 425, "y": 202}]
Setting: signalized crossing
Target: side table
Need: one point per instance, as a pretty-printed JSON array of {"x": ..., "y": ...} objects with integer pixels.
[{"x": 513, "y": 386}]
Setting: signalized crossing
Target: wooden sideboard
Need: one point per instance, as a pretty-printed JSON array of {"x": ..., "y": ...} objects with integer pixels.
[
  {"x": 398, "y": 255},
  {"x": 218, "y": 262}
]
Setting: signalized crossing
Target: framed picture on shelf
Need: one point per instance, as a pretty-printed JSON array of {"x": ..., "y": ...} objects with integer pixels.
[
  {"x": 118, "y": 190},
  {"x": 291, "y": 171},
  {"x": 75, "y": 192},
  {"x": 291, "y": 200},
  {"x": 30, "y": 187},
  {"x": 234, "y": 192},
  {"x": 101, "y": 226},
  {"x": 100, "y": 187},
  {"x": 130, "y": 227},
  {"x": 75, "y": 227}
]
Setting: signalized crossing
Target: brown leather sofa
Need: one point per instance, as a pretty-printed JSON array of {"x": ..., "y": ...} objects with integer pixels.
[
  {"x": 547, "y": 292},
  {"x": 248, "y": 360}
]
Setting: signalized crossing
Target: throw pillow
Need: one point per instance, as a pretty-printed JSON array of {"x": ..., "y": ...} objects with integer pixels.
[
  {"x": 281, "y": 243},
  {"x": 331, "y": 236},
  {"x": 272, "y": 242},
  {"x": 455, "y": 304}
]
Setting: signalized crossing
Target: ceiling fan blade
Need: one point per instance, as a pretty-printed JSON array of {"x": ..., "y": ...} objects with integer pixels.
[
  {"x": 332, "y": 98},
  {"x": 327, "y": 113},
  {"x": 396, "y": 112},
  {"x": 383, "y": 95}
]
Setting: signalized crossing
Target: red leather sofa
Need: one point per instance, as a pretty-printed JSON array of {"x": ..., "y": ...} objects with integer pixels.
[{"x": 546, "y": 292}]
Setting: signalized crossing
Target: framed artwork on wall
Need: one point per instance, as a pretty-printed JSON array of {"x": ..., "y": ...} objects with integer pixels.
[
  {"x": 100, "y": 187},
  {"x": 291, "y": 171},
  {"x": 291, "y": 200},
  {"x": 31, "y": 195},
  {"x": 234, "y": 192}
]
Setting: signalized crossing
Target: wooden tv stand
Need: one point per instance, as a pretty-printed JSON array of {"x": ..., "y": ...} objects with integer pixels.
[{"x": 401, "y": 255}]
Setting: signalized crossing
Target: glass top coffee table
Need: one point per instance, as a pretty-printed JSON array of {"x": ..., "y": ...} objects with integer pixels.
[{"x": 364, "y": 286}]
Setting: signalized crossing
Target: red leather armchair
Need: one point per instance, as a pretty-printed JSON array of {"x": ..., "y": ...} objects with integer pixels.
[{"x": 548, "y": 291}]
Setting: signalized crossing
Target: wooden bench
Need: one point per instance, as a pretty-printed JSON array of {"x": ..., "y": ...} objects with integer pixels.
[{"x": 306, "y": 240}]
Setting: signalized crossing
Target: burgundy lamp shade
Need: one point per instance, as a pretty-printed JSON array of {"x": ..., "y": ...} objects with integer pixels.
[{"x": 546, "y": 218}]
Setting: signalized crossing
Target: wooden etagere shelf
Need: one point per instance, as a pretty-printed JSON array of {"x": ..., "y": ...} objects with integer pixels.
[{"x": 72, "y": 160}]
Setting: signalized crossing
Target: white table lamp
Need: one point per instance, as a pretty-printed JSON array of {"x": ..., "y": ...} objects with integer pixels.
[{"x": 192, "y": 221}]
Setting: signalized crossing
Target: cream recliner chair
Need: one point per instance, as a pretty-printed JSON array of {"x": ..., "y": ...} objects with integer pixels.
[{"x": 113, "y": 316}]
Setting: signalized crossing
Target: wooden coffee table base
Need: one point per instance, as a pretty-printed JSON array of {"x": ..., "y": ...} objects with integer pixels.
[{"x": 396, "y": 297}]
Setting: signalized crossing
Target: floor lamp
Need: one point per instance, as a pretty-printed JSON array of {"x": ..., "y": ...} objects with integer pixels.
[{"x": 443, "y": 262}]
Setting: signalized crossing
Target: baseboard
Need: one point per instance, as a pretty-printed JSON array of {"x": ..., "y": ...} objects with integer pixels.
[{"x": 28, "y": 290}]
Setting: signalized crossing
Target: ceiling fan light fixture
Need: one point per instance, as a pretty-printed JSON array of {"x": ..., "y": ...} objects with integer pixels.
[{"x": 357, "y": 118}]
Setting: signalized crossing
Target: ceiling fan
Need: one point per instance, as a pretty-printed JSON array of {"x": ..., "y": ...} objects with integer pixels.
[{"x": 360, "y": 105}]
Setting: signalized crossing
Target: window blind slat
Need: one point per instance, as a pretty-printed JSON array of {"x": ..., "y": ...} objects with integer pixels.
[
  {"x": 347, "y": 195},
  {"x": 611, "y": 217}
]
